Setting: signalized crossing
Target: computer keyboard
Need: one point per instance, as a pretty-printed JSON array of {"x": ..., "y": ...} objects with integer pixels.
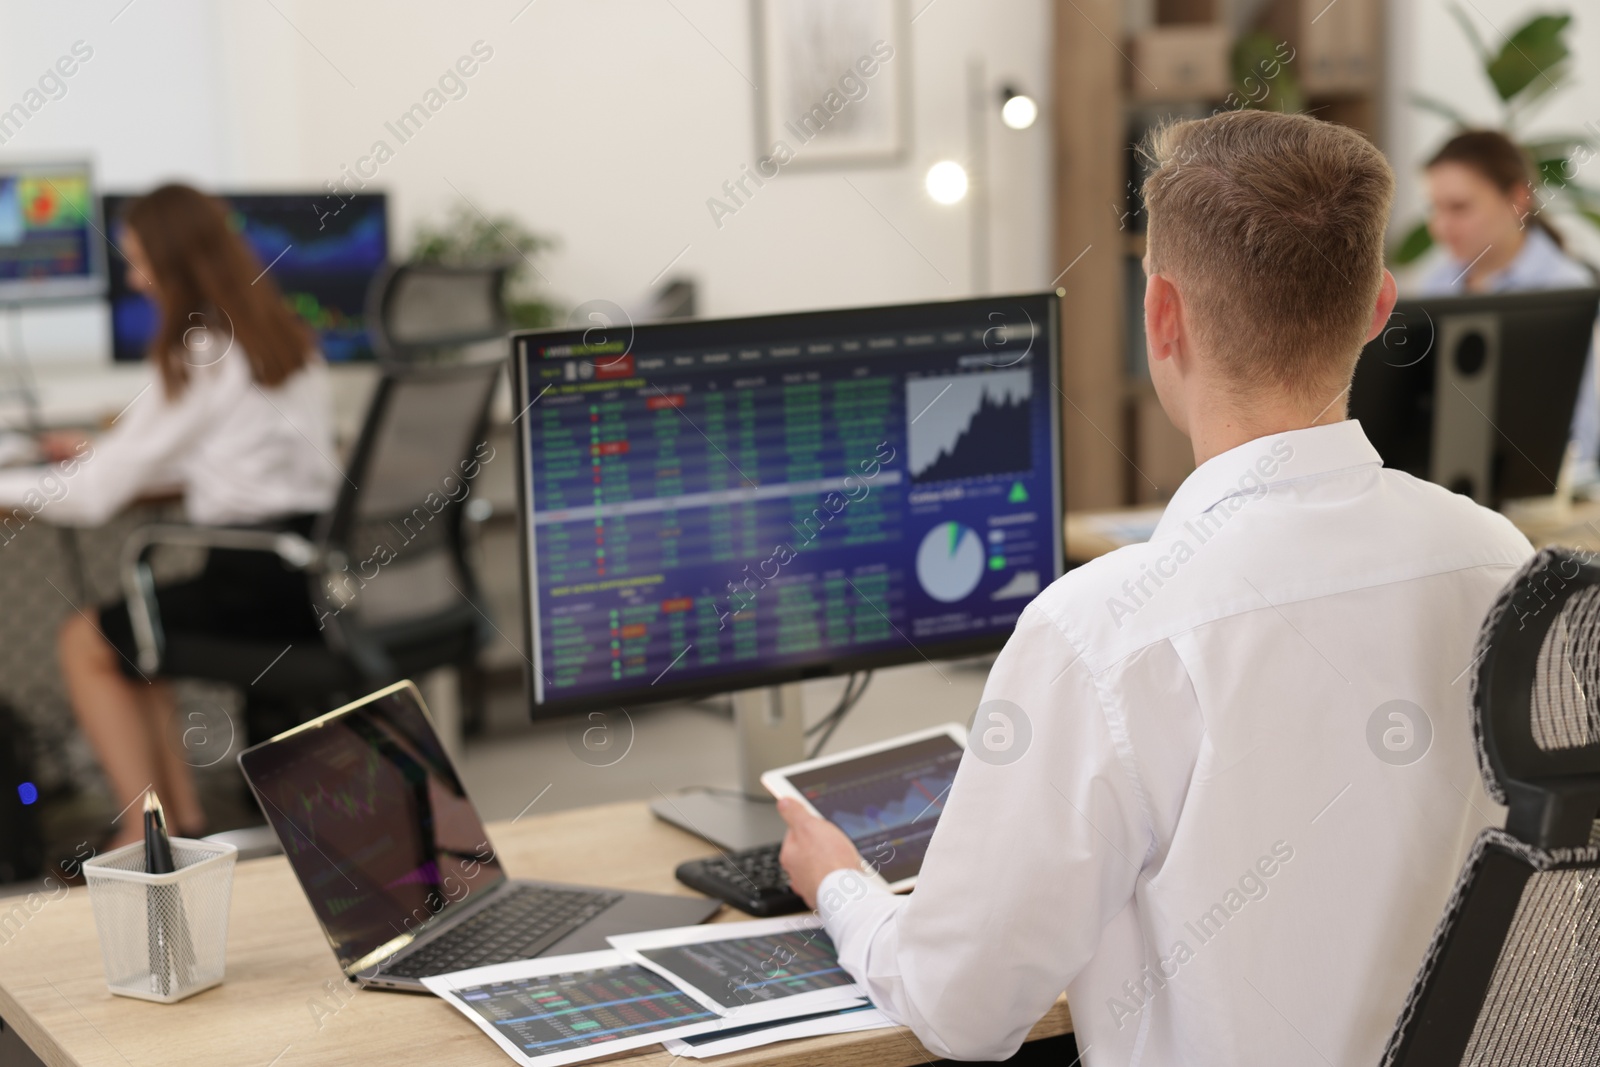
[
  {"x": 752, "y": 881},
  {"x": 526, "y": 920}
]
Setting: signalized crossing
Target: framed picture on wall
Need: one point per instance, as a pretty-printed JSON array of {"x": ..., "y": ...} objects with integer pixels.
[{"x": 833, "y": 82}]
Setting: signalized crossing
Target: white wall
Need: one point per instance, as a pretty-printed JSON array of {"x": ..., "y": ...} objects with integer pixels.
[
  {"x": 1429, "y": 53},
  {"x": 606, "y": 123}
]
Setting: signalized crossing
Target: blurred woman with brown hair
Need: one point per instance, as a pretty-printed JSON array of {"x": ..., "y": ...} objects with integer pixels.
[
  {"x": 1487, "y": 216},
  {"x": 237, "y": 415}
]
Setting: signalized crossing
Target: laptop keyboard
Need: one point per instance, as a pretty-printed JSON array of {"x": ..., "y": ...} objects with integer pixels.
[{"x": 525, "y": 921}]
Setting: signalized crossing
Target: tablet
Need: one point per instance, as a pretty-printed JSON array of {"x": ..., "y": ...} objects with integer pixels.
[{"x": 886, "y": 797}]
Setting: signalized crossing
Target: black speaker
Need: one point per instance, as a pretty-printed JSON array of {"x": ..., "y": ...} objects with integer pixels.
[{"x": 21, "y": 844}]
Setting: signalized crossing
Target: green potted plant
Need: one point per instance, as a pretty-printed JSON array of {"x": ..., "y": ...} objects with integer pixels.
[{"x": 467, "y": 236}]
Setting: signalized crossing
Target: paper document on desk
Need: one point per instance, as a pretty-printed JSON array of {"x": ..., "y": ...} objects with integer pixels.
[
  {"x": 565, "y": 1009},
  {"x": 749, "y": 972},
  {"x": 657, "y": 986},
  {"x": 739, "y": 1038}
]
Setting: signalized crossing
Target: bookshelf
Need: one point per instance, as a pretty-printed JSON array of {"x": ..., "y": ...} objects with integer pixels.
[{"x": 1121, "y": 65}]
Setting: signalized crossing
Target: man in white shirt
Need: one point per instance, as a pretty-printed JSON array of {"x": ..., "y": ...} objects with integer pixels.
[{"x": 1220, "y": 784}]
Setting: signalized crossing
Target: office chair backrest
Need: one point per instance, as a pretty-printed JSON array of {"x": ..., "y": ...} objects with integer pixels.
[
  {"x": 1536, "y": 701},
  {"x": 424, "y": 312},
  {"x": 1513, "y": 973},
  {"x": 395, "y": 532}
]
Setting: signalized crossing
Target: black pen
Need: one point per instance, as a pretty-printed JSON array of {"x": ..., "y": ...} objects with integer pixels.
[
  {"x": 171, "y": 953},
  {"x": 157, "y": 845}
]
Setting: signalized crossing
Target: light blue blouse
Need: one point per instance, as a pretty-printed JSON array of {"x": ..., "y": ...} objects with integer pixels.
[{"x": 1540, "y": 265}]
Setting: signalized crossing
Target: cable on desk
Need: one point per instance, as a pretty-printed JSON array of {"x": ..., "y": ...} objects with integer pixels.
[
  {"x": 825, "y": 725},
  {"x": 27, "y": 388},
  {"x": 830, "y": 722},
  {"x": 721, "y": 791}
]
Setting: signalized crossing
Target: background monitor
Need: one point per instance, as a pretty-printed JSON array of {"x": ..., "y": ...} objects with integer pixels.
[
  {"x": 1476, "y": 393},
  {"x": 711, "y": 506},
  {"x": 322, "y": 261},
  {"x": 49, "y": 247}
]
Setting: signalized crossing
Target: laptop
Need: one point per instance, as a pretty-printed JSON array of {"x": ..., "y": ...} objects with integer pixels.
[{"x": 395, "y": 860}]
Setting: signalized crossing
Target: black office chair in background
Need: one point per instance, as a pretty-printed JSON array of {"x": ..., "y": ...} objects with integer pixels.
[
  {"x": 427, "y": 312},
  {"x": 1512, "y": 977},
  {"x": 388, "y": 573}
]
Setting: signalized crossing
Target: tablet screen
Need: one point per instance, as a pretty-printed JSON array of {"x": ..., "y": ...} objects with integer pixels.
[{"x": 887, "y": 802}]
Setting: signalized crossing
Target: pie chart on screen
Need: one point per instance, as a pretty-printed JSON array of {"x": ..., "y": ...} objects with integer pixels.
[{"x": 950, "y": 562}]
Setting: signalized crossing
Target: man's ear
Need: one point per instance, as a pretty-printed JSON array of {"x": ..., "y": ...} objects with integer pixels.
[
  {"x": 1163, "y": 316},
  {"x": 1388, "y": 293}
]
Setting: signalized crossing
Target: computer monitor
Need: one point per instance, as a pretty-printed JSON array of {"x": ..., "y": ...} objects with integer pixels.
[
  {"x": 49, "y": 247},
  {"x": 1476, "y": 393},
  {"x": 716, "y": 505},
  {"x": 322, "y": 261}
]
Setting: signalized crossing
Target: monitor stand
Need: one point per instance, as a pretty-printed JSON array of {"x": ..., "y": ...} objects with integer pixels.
[{"x": 770, "y": 729}]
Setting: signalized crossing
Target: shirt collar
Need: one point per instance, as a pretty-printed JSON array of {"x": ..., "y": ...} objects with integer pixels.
[
  {"x": 1531, "y": 263},
  {"x": 1249, "y": 468},
  {"x": 1528, "y": 269}
]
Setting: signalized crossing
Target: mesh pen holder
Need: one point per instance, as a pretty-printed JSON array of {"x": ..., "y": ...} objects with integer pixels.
[{"x": 163, "y": 937}]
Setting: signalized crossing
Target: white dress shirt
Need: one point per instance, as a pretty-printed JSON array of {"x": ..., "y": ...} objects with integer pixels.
[
  {"x": 241, "y": 453},
  {"x": 1205, "y": 820}
]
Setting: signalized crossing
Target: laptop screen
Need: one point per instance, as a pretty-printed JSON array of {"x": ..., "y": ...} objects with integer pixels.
[{"x": 373, "y": 820}]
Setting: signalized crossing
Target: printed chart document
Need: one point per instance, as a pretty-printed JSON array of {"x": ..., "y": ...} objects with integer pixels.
[
  {"x": 738, "y": 1038},
  {"x": 749, "y": 971},
  {"x": 564, "y": 1009}
]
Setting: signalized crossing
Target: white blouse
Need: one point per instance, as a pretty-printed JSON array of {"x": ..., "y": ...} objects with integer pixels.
[{"x": 241, "y": 452}]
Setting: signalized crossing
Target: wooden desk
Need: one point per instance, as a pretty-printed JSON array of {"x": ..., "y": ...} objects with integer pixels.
[
  {"x": 86, "y": 393},
  {"x": 1091, "y": 534},
  {"x": 283, "y": 1003},
  {"x": 1576, "y": 527}
]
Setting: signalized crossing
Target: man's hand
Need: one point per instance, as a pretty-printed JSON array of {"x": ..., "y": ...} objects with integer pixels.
[{"x": 812, "y": 849}]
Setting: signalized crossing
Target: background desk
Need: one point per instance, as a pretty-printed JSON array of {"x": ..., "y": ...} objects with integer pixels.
[
  {"x": 283, "y": 995},
  {"x": 47, "y": 573},
  {"x": 86, "y": 394}
]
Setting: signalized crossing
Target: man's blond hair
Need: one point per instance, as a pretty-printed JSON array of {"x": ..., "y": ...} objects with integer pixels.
[{"x": 1272, "y": 226}]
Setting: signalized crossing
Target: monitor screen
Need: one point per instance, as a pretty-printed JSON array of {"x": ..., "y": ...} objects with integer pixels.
[
  {"x": 373, "y": 820},
  {"x": 1477, "y": 392},
  {"x": 322, "y": 261},
  {"x": 716, "y": 505},
  {"x": 48, "y": 244}
]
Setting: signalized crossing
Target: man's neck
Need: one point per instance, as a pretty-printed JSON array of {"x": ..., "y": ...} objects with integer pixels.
[
  {"x": 1225, "y": 427},
  {"x": 1496, "y": 258}
]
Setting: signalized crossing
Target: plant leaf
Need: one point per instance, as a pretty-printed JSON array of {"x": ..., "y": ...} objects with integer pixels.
[
  {"x": 464, "y": 236},
  {"x": 1465, "y": 22},
  {"x": 1412, "y": 246},
  {"x": 1552, "y": 172},
  {"x": 1529, "y": 55},
  {"x": 1537, "y": 95},
  {"x": 1559, "y": 144},
  {"x": 1582, "y": 195}
]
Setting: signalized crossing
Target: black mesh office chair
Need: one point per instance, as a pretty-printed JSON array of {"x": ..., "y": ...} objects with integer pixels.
[
  {"x": 1512, "y": 978},
  {"x": 426, "y": 312},
  {"x": 387, "y": 569}
]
